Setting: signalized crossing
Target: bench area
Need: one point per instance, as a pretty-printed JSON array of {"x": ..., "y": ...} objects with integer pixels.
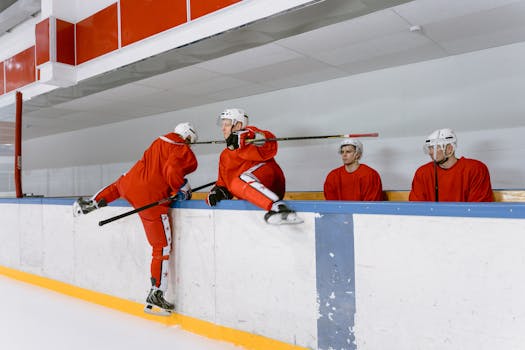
[{"x": 392, "y": 196}]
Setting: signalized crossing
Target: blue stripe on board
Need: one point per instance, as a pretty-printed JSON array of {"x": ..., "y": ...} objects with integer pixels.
[
  {"x": 55, "y": 201},
  {"x": 484, "y": 210},
  {"x": 334, "y": 236}
]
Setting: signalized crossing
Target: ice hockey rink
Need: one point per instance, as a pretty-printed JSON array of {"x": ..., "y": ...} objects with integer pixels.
[{"x": 37, "y": 318}]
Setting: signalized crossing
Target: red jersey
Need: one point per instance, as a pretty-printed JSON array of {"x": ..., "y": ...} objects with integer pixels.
[
  {"x": 364, "y": 184},
  {"x": 232, "y": 163},
  {"x": 466, "y": 181},
  {"x": 160, "y": 171}
]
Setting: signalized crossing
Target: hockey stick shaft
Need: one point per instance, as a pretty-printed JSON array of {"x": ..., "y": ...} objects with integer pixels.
[
  {"x": 147, "y": 206},
  {"x": 371, "y": 134}
]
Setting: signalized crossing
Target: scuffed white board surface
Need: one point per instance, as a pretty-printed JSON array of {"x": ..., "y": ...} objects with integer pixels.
[
  {"x": 58, "y": 243},
  {"x": 31, "y": 238},
  {"x": 113, "y": 258},
  {"x": 193, "y": 264},
  {"x": 439, "y": 283},
  {"x": 9, "y": 235},
  {"x": 266, "y": 276}
]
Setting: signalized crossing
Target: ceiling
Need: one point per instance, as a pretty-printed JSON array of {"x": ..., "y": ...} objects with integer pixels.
[
  {"x": 272, "y": 55},
  {"x": 6, "y": 3}
]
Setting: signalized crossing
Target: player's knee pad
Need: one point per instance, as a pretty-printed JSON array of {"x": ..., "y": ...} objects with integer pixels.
[{"x": 252, "y": 181}]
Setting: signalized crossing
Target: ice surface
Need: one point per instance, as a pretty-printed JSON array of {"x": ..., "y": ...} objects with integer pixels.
[{"x": 35, "y": 318}]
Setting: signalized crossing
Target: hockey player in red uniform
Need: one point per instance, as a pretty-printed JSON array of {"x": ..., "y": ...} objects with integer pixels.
[
  {"x": 353, "y": 181},
  {"x": 447, "y": 178},
  {"x": 159, "y": 173},
  {"x": 248, "y": 170}
]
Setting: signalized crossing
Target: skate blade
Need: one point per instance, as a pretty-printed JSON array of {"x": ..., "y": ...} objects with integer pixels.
[
  {"x": 156, "y": 311},
  {"x": 289, "y": 219},
  {"x": 77, "y": 210}
]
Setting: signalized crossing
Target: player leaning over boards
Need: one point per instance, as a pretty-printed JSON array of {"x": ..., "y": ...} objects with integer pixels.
[
  {"x": 159, "y": 173},
  {"x": 248, "y": 170},
  {"x": 448, "y": 178}
]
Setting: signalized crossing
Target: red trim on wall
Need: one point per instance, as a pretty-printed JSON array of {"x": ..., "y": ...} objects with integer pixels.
[
  {"x": 2, "y": 78},
  {"x": 203, "y": 7},
  {"x": 65, "y": 42},
  {"x": 20, "y": 69},
  {"x": 97, "y": 35},
  {"x": 143, "y": 18},
  {"x": 42, "y": 42}
]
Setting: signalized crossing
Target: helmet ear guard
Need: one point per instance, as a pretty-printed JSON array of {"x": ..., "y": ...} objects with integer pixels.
[
  {"x": 186, "y": 130},
  {"x": 235, "y": 115}
]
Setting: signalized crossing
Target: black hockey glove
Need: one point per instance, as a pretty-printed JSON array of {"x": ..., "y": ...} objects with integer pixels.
[
  {"x": 232, "y": 142},
  {"x": 237, "y": 139},
  {"x": 217, "y": 194}
]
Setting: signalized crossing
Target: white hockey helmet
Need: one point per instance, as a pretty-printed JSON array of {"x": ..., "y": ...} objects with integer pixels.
[
  {"x": 440, "y": 138},
  {"x": 354, "y": 142},
  {"x": 186, "y": 130},
  {"x": 235, "y": 115}
]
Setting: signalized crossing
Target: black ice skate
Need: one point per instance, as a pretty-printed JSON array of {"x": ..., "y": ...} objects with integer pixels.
[
  {"x": 282, "y": 216},
  {"x": 82, "y": 206},
  {"x": 156, "y": 304}
]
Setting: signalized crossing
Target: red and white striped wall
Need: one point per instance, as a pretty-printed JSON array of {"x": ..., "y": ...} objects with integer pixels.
[{"x": 71, "y": 45}]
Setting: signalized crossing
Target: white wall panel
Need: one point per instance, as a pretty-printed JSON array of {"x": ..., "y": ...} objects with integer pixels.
[
  {"x": 86, "y": 178},
  {"x": 112, "y": 258},
  {"x": 250, "y": 292},
  {"x": 58, "y": 242},
  {"x": 439, "y": 283},
  {"x": 61, "y": 181},
  {"x": 30, "y": 221},
  {"x": 193, "y": 274},
  {"x": 35, "y": 182},
  {"x": 9, "y": 235}
]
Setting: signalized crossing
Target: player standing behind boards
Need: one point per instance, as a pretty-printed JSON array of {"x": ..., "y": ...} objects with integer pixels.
[
  {"x": 249, "y": 171},
  {"x": 353, "y": 181},
  {"x": 447, "y": 178},
  {"x": 160, "y": 172}
]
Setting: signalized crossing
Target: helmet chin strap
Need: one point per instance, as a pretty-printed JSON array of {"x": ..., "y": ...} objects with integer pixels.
[
  {"x": 445, "y": 156},
  {"x": 442, "y": 161}
]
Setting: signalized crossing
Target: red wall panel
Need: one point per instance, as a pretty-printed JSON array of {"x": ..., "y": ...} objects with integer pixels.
[
  {"x": 65, "y": 42},
  {"x": 97, "y": 35},
  {"x": 20, "y": 69},
  {"x": 2, "y": 79},
  {"x": 42, "y": 42},
  {"x": 143, "y": 18},
  {"x": 201, "y": 7}
]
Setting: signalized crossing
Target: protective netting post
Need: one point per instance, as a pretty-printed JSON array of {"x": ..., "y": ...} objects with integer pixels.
[{"x": 18, "y": 146}]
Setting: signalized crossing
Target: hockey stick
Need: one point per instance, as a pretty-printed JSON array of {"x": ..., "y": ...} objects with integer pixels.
[
  {"x": 372, "y": 134},
  {"x": 147, "y": 206}
]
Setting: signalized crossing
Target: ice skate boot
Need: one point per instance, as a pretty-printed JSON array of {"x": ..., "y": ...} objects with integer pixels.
[
  {"x": 83, "y": 206},
  {"x": 280, "y": 214},
  {"x": 156, "y": 304}
]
